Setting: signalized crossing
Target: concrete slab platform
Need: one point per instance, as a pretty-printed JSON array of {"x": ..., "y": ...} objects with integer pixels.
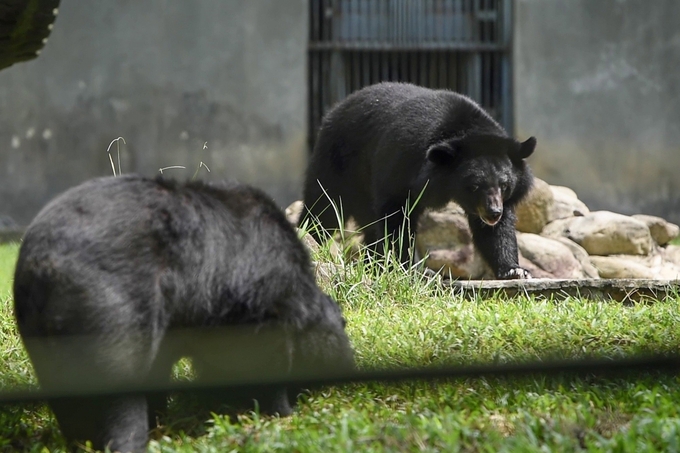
[{"x": 621, "y": 290}]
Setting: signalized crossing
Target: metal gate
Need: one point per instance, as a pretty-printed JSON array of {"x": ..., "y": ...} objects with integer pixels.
[{"x": 462, "y": 45}]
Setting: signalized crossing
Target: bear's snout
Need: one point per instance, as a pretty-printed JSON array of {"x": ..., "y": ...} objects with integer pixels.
[{"x": 491, "y": 210}]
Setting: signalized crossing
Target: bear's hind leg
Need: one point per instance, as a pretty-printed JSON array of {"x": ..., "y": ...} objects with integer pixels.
[{"x": 67, "y": 364}]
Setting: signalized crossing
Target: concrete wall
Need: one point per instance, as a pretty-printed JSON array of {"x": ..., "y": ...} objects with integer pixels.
[
  {"x": 598, "y": 83},
  {"x": 167, "y": 76}
]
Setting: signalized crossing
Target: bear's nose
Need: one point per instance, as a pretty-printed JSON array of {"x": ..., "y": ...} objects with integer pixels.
[
  {"x": 491, "y": 216},
  {"x": 495, "y": 213}
]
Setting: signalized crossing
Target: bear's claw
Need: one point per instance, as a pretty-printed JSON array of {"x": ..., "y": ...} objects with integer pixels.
[{"x": 516, "y": 274}]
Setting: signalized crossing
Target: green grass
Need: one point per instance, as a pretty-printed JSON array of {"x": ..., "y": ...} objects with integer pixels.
[{"x": 399, "y": 319}]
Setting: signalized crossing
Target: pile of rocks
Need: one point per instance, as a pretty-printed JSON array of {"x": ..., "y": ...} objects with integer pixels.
[{"x": 558, "y": 237}]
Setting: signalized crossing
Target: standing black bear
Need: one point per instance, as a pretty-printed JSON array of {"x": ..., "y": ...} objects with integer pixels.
[
  {"x": 120, "y": 277},
  {"x": 387, "y": 144}
]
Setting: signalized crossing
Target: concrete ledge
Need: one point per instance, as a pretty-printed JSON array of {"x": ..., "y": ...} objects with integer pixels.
[
  {"x": 621, "y": 290},
  {"x": 11, "y": 235}
]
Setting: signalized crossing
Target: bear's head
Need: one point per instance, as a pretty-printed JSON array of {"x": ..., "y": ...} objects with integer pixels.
[{"x": 482, "y": 173}]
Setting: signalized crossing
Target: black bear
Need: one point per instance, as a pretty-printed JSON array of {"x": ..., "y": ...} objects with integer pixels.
[
  {"x": 389, "y": 145},
  {"x": 118, "y": 278}
]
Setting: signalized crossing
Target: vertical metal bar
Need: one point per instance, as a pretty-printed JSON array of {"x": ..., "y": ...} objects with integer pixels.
[
  {"x": 358, "y": 19},
  {"x": 384, "y": 66},
  {"x": 356, "y": 66},
  {"x": 400, "y": 29},
  {"x": 458, "y": 20},
  {"x": 429, "y": 25},
  {"x": 375, "y": 67},
  {"x": 312, "y": 113},
  {"x": 507, "y": 109},
  {"x": 314, "y": 20},
  {"x": 384, "y": 14},
  {"x": 497, "y": 83},
  {"x": 394, "y": 69},
  {"x": 365, "y": 69},
  {"x": 324, "y": 24},
  {"x": 364, "y": 19},
  {"x": 418, "y": 18}
]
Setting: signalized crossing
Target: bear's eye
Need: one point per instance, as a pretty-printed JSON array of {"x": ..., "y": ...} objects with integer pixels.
[
  {"x": 504, "y": 186},
  {"x": 473, "y": 187}
]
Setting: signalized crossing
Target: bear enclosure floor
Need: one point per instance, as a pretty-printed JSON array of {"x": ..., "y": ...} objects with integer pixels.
[{"x": 621, "y": 290}]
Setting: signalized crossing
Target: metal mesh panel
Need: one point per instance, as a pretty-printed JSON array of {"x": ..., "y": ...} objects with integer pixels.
[{"x": 462, "y": 45}]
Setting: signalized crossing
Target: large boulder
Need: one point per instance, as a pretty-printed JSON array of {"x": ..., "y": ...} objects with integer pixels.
[
  {"x": 671, "y": 253},
  {"x": 654, "y": 266},
  {"x": 565, "y": 204},
  {"x": 589, "y": 271},
  {"x": 445, "y": 237},
  {"x": 662, "y": 231},
  {"x": 618, "y": 267},
  {"x": 604, "y": 233},
  {"x": 549, "y": 255},
  {"x": 294, "y": 211},
  {"x": 534, "y": 211},
  {"x": 534, "y": 270}
]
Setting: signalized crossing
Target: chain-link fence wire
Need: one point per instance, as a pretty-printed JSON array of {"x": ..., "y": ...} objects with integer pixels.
[{"x": 231, "y": 380}]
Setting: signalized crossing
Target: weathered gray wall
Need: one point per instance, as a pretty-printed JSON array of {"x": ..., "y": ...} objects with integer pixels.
[
  {"x": 598, "y": 83},
  {"x": 167, "y": 76}
]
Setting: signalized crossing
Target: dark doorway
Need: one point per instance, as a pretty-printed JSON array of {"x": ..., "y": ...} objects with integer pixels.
[{"x": 462, "y": 45}]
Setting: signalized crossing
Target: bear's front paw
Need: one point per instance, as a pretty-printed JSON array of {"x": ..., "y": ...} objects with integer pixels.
[{"x": 516, "y": 274}]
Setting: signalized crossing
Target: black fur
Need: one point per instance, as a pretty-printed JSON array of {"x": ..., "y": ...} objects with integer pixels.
[
  {"x": 390, "y": 142},
  {"x": 115, "y": 276}
]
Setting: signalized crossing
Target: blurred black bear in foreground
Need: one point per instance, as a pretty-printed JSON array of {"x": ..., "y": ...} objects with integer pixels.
[
  {"x": 388, "y": 144},
  {"x": 120, "y": 277}
]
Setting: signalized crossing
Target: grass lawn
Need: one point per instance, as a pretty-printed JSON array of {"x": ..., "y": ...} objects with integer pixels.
[{"x": 397, "y": 319}]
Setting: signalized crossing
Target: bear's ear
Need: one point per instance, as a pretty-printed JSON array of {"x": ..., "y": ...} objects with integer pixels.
[
  {"x": 525, "y": 149},
  {"x": 441, "y": 153}
]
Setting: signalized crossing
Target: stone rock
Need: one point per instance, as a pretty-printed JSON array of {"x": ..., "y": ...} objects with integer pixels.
[
  {"x": 463, "y": 262},
  {"x": 325, "y": 272},
  {"x": 558, "y": 228},
  {"x": 533, "y": 212},
  {"x": 589, "y": 271},
  {"x": 662, "y": 231},
  {"x": 309, "y": 242},
  {"x": 671, "y": 253},
  {"x": 604, "y": 233},
  {"x": 445, "y": 237},
  {"x": 549, "y": 255},
  {"x": 444, "y": 228},
  {"x": 621, "y": 267},
  {"x": 349, "y": 247},
  {"x": 536, "y": 272},
  {"x": 657, "y": 263},
  {"x": 617, "y": 267},
  {"x": 668, "y": 272},
  {"x": 565, "y": 204},
  {"x": 294, "y": 211},
  {"x": 347, "y": 244}
]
